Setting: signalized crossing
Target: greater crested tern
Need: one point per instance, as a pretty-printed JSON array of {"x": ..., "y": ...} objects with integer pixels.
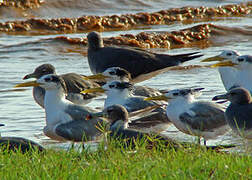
[
  {"x": 135, "y": 60},
  {"x": 118, "y": 117},
  {"x": 120, "y": 74},
  {"x": 74, "y": 84},
  {"x": 121, "y": 93},
  {"x": 198, "y": 118},
  {"x": 16, "y": 143},
  {"x": 239, "y": 112},
  {"x": 226, "y": 71},
  {"x": 64, "y": 120}
]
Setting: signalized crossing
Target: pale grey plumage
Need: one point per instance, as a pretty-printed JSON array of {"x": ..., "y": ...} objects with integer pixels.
[{"x": 207, "y": 117}]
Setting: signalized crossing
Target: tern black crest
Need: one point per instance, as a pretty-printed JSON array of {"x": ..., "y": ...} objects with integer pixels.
[
  {"x": 58, "y": 80},
  {"x": 122, "y": 73},
  {"x": 124, "y": 85},
  {"x": 184, "y": 92},
  {"x": 244, "y": 58}
]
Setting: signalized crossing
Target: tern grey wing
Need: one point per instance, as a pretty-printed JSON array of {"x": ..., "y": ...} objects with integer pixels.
[
  {"x": 239, "y": 116},
  {"x": 78, "y": 112},
  {"x": 146, "y": 91},
  {"x": 207, "y": 116},
  {"x": 137, "y": 103},
  {"x": 75, "y": 83},
  {"x": 79, "y": 130},
  {"x": 135, "y": 61},
  {"x": 155, "y": 119}
]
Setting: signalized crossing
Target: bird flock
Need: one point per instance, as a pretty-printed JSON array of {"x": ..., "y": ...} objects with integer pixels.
[{"x": 115, "y": 72}]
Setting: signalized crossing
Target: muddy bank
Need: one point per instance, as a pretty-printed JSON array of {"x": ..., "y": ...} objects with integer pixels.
[
  {"x": 199, "y": 36},
  {"x": 22, "y": 4},
  {"x": 124, "y": 22}
]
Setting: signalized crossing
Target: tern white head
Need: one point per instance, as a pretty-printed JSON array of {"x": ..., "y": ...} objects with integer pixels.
[
  {"x": 120, "y": 74},
  {"x": 117, "y": 92},
  {"x": 244, "y": 71},
  {"x": 242, "y": 75},
  {"x": 226, "y": 70}
]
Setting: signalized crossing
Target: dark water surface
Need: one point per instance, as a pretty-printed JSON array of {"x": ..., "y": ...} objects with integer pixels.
[{"x": 20, "y": 54}]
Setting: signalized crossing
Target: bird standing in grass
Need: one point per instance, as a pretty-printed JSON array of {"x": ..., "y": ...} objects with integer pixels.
[{"x": 198, "y": 118}]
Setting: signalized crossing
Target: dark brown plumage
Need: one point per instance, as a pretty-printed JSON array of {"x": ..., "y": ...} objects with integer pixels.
[{"x": 136, "y": 61}]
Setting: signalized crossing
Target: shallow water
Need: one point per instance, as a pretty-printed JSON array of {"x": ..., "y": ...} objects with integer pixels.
[{"x": 19, "y": 56}]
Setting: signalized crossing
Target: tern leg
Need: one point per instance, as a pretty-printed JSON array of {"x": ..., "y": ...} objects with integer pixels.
[
  {"x": 72, "y": 145},
  {"x": 83, "y": 145},
  {"x": 199, "y": 140},
  {"x": 204, "y": 142}
]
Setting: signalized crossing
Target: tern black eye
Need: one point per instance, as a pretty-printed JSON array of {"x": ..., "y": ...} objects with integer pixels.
[
  {"x": 232, "y": 93},
  {"x": 109, "y": 110},
  {"x": 47, "y": 79},
  {"x": 240, "y": 59},
  {"x": 175, "y": 94},
  {"x": 111, "y": 86},
  {"x": 112, "y": 73},
  {"x": 229, "y": 54}
]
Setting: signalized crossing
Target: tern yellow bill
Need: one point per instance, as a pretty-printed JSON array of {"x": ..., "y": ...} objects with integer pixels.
[
  {"x": 98, "y": 76},
  {"x": 223, "y": 64},
  {"x": 12, "y": 90},
  {"x": 93, "y": 90},
  {"x": 215, "y": 58},
  {"x": 158, "y": 98},
  {"x": 27, "y": 84}
]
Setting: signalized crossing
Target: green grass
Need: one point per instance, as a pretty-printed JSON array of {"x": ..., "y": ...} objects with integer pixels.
[{"x": 120, "y": 163}]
